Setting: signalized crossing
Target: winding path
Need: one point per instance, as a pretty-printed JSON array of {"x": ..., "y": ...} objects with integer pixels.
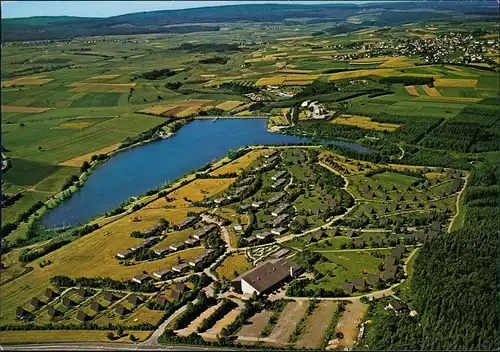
[{"x": 457, "y": 203}]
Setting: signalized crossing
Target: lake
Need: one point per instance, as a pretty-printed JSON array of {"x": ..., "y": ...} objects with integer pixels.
[{"x": 140, "y": 169}]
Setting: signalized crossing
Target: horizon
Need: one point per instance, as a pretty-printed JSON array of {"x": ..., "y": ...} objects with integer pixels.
[{"x": 103, "y": 9}]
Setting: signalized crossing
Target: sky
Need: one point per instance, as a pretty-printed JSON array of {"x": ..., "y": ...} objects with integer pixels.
[{"x": 12, "y": 9}]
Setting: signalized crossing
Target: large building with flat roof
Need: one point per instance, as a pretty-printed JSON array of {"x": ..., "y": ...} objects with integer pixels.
[{"x": 267, "y": 277}]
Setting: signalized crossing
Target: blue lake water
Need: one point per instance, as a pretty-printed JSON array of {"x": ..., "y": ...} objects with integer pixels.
[{"x": 140, "y": 169}]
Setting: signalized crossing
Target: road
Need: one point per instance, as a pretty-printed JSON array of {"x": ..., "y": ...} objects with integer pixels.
[
  {"x": 102, "y": 346},
  {"x": 153, "y": 339},
  {"x": 457, "y": 204}
]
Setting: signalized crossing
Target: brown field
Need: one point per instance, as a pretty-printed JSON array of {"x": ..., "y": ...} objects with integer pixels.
[
  {"x": 366, "y": 122},
  {"x": 384, "y": 72},
  {"x": 229, "y": 105},
  {"x": 103, "y": 77},
  {"x": 451, "y": 82},
  {"x": 234, "y": 263},
  {"x": 290, "y": 316},
  {"x": 73, "y": 125},
  {"x": 197, "y": 190},
  {"x": 177, "y": 110},
  {"x": 240, "y": 163},
  {"x": 258, "y": 322},
  {"x": 411, "y": 90},
  {"x": 40, "y": 336},
  {"x": 9, "y": 108},
  {"x": 27, "y": 81},
  {"x": 433, "y": 92},
  {"x": 94, "y": 255},
  {"x": 317, "y": 323},
  {"x": 78, "y": 161}
]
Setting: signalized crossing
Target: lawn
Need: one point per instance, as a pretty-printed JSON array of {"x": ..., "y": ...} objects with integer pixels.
[
  {"x": 347, "y": 266},
  {"x": 232, "y": 265},
  {"x": 43, "y": 336},
  {"x": 10, "y": 214},
  {"x": 395, "y": 178},
  {"x": 94, "y": 255},
  {"x": 54, "y": 182}
]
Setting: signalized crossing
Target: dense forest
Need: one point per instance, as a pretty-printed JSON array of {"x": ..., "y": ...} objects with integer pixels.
[{"x": 454, "y": 285}]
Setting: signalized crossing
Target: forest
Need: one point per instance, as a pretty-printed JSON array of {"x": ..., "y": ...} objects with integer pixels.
[{"x": 454, "y": 285}]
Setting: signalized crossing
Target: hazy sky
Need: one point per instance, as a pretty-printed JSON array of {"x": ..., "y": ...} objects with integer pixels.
[{"x": 112, "y": 8}]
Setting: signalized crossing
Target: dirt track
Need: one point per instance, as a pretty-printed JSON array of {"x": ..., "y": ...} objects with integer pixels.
[{"x": 317, "y": 325}]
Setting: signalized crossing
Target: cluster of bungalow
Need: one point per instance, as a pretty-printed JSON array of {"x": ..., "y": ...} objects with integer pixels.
[
  {"x": 279, "y": 224},
  {"x": 388, "y": 275},
  {"x": 192, "y": 241}
]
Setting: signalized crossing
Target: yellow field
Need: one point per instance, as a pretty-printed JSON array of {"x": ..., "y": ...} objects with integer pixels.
[
  {"x": 78, "y": 161},
  {"x": 33, "y": 336},
  {"x": 271, "y": 81},
  {"x": 27, "y": 81},
  {"x": 291, "y": 70},
  {"x": 297, "y": 83},
  {"x": 399, "y": 61},
  {"x": 229, "y": 105},
  {"x": 240, "y": 163},
  {"x": 73, "y": 125},
  {"x": 450, "y": 82},
  {"x": 9, "y": 108},
  {"x": 93, "y": 256},
  {"x": 384, "y": 72},
  {"x": 412, "y": 90},
  {"x": 208, "y": 76},
  {"x": 235, "y": 263},
  {"x": 103, "y": 77},
  {"x": 365, "y": 122},
  {"x": 197, "y": 190},
  {"x": 433, "y": 92},
  {"x": 280, "y": 80}
]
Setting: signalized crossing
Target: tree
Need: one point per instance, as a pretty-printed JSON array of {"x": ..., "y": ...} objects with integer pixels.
[
  {"x": 119, "y": 331},
  {"x": 110, "y": 335},
  {"x": 131, "y": 338},
  {"x": 85, "y": 166}
]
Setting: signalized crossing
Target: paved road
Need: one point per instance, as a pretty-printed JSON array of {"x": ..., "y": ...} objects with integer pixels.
[{"x": 153, "y": 339}]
